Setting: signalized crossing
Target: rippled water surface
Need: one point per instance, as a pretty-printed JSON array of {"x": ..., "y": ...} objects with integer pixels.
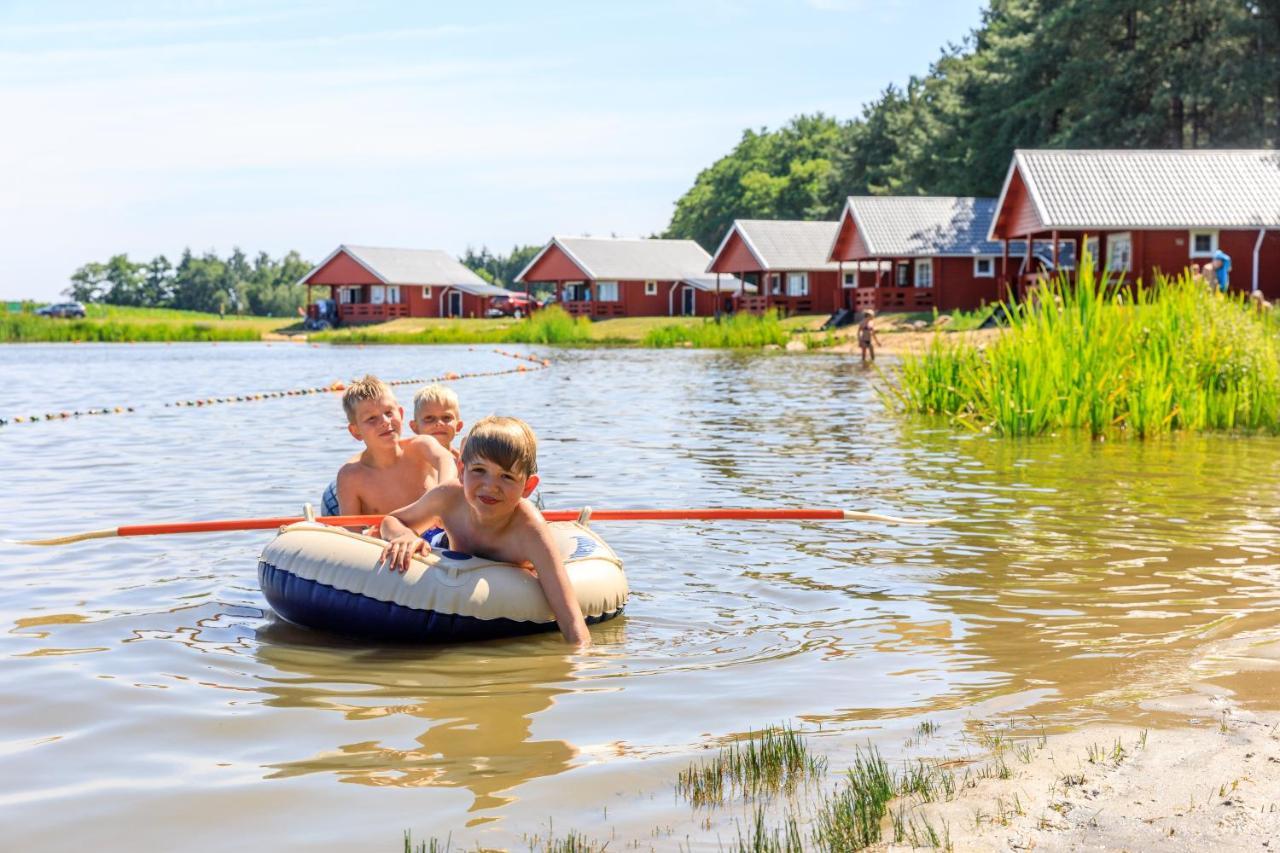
[{"x": 150, "y": 700}]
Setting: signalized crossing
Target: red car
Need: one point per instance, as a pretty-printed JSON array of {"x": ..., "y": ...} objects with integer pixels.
[{"x": 515, "y": 305}]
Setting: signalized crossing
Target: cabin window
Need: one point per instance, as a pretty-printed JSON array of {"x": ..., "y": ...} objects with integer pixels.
[
  {"x": 851, "y": 279},
  {"x": 984, "y": 267},
  {"x": 1120, "y": 252},
  {"x": 1091, "y": 246},
  {"x": 348, "y": 295},
  {"x": 576, "y": 291},
  {"x": 1204, "y": 244},
  {"x": 393, "y": 294},
  {"x": 902, "y": 277},
  {"x": 426, "y": 292},
  {"x": 650, "y": 288},
  {"x": 1042, "y": 251},
  {"x": 607, "y": 291},
  {"x": 924, "y": 272},
  {"x": 378, "y": 294},
  {"x": 775, "y": 284},
  {"x": 797, "y": 284}
]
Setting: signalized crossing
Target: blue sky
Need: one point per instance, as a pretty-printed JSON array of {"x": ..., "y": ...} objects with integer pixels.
[{"x": 132, "y": 127}]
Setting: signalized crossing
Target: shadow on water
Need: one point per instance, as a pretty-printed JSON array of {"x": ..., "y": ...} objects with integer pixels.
[{"x": 477, "y": 702}]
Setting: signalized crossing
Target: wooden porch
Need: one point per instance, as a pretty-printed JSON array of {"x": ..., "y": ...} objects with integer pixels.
[
  {"x": 893, "y": 299},
  {"x": 593, "y": 310},
  {"x": 368, "y": 312}
]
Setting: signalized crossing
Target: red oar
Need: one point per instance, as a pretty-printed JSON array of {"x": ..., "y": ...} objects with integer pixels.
[{"x": 550, "y": 515}]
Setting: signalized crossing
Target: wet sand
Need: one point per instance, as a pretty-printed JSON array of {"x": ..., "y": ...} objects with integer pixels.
[{"x": 1208, "y": 781}]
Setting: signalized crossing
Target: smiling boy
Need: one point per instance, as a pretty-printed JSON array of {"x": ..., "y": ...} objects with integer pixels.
[
  {"x": 486, "y": 514},
  {"x": 436, "y": 413},
  {"x": 391, "y": 471}
]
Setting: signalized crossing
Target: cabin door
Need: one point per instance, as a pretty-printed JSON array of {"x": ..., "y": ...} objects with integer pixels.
[
  {"x": 687, "y": 307},
  {"x": 455, "y": 303}
]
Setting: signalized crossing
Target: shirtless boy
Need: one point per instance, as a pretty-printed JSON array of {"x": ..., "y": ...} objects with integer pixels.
[
  {"x": 391, "y": 471},
  {"x": 435, "y": 413},
  {"x": 486, "y": 514}
]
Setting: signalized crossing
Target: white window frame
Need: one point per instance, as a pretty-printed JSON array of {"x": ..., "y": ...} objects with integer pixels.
[
  {"x": 569, "y": 286},
  {"x": 606, "y": 291},
  {"x": 902, "y": 274},
  {"x": 797, "y": 284},
  {"x": 1120, "y": 238},
  {"x": 1213, "y": 242},
  {"x": 393, "y": 294},
  {"x": 775, "y": 284},
  {"x": 850, "y": 279},
  {"x": 650, "y": 288},
  {"x": 1046, "y": 245},
  {"x": 923, "y": 265},
  {"x": 378, "y": 294},
  {"x": 426, "y": 291},
  {"x": 977, "y": 267}
]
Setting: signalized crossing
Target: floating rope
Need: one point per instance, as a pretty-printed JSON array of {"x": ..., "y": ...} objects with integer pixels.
[{"x": 332, "y": 388}]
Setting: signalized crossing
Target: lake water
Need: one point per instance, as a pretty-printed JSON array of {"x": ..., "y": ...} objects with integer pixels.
[{"x": 150, "y": 700}]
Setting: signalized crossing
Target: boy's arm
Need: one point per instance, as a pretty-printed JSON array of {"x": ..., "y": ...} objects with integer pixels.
[
  {"x": 444, "y": 460},
  {"x": 403, "y": 530},
  {"x": 348, "y": 494},
  {"x": 556, "y": 585}
]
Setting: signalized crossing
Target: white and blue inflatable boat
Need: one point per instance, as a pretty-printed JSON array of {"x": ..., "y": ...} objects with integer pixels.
[{"x": 334, "y": 580}]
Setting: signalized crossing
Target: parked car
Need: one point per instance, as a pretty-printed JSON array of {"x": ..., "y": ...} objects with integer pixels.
[
  {"x": 516, "y": 305},
  {"x": 62, "y": 309}
]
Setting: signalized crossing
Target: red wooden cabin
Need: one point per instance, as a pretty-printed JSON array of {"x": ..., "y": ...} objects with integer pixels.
[
  {"x": 617, "y": 277},
  {"x": 1143, "y": 212},
  {"x": 917, "y": 253},
  {"x": 372, "y": 285},
  {"x": 787, "y": 262}
]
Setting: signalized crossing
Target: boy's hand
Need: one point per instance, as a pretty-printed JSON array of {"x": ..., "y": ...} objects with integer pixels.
[{"x": 399, "y": 551}]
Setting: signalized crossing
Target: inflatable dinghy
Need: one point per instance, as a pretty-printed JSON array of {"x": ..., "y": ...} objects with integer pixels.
[{"x": 334, "y": 580}]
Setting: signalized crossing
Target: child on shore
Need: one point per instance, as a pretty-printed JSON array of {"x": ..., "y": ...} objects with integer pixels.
[
  {"x": 867, "y": 337},
  {"x": 486, "y": 514},
  {"x": 391, "y": 471}
]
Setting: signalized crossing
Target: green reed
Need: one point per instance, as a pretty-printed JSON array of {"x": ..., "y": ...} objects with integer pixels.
[
  {"x": 1114, "y": 360},
  {"x": 761, "y": 839},
  {"x": 851, "y": 818},
  {"x": 775, "y": 760},
  {"x": 29, "y": 328},
  {"x": 739, "y": 330}
]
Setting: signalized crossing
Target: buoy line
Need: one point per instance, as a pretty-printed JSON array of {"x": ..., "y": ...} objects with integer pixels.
[{"x": 334, "y": 387}]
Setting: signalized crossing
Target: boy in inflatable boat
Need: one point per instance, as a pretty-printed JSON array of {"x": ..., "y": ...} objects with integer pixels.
[
  {"x": 486, "y": 514},
  {"x": 391, "y": 471}
]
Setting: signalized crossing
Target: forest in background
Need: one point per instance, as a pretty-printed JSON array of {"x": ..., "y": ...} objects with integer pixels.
[{"x": 1035, "y": 74}]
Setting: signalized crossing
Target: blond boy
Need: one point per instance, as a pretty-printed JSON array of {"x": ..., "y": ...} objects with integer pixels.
[
  {"x": 436, "y": 413},
  {"x": 391, "y": 471},
  {"x": 486, "y": 514}
]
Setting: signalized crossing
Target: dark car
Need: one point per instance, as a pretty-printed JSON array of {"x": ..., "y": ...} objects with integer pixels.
[{"x": 62, "y": 309}]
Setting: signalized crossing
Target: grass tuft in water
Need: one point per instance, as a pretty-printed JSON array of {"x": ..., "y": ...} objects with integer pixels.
[
  {"x": 1113, "y": 360},
  {"x": 850, "y": 819},
  {"x": 431, "y": 845},
  {"x": 777, "y": 759},
  {"x": 761, "y": 839}
]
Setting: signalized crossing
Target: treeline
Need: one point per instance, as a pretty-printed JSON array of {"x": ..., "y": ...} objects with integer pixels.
[
  {"x": 1035, "y": 74},
  {"x": 265, "y": 287},
  {"x": 499, "y": 269}
]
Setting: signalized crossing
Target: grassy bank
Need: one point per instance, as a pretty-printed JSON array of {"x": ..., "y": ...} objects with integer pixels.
[
  {"x": 117, "y": 324},
  {"x": 1114, "y": 361},
  {"x": 553, "y": 326}
]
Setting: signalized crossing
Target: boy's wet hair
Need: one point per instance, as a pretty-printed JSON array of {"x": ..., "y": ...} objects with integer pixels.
[
  {"x": 508, "y": 442},
  {"x": 368, "y": 388},
  {"x": 435, "y": 393}
]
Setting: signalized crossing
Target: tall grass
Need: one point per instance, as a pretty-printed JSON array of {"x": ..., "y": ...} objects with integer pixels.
[
  {"x": 1113, "y": 360},
  {"x": 551, "y": 325},
  {"x": 737, "y": 330},
  {"x": 29, "y": 328},
  {"x": 776, "y": 760}
]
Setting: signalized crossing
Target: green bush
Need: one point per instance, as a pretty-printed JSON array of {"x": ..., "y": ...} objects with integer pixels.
[{"x": 735, "y": 331}]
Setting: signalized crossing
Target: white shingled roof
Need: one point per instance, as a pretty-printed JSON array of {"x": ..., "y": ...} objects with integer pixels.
[
  {"x": 1151, "y": 189},
  {"x": 414, "y": 267},
  {"x": 920, "y": 226},
  {"x": 783, "y": 244},
  {"x": 638, "y": 259}
]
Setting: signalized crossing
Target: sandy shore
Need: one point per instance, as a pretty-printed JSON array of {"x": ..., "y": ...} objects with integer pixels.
[{"x": 1206, "y": 779}]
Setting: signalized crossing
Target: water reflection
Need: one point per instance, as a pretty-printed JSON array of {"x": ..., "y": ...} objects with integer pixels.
[{"x": 478, "y": 704}]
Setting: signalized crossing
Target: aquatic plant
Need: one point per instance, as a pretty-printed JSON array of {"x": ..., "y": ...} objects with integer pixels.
[
  {"x": 776, "y": 760},
  {"x": 735, "y": 330},
  {"x": 1116, "y": 360},
  {"x": 850, "y": 819},
  {"x": 761, "y": 839}
]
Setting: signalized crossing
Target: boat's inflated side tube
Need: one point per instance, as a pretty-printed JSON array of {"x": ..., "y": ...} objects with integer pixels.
[{"x": 334, "y": 580}]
